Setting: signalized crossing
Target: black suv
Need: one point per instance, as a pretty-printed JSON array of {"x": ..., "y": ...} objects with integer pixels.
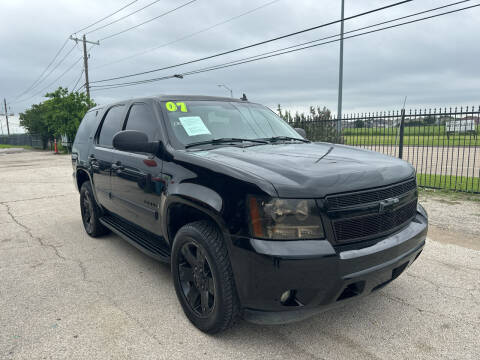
[{"x": 255, "y": 220}]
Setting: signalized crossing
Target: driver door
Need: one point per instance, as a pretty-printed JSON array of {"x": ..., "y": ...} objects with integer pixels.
[{"x": 136, "y": 177}]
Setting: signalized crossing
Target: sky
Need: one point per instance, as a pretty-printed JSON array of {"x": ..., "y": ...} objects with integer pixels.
[{"x": 435, "y": 63}]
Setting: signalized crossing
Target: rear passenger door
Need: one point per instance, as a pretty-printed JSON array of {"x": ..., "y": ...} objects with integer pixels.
[
  {"x": 135, "y": 179},
  {"x": 101, "y": 154}
]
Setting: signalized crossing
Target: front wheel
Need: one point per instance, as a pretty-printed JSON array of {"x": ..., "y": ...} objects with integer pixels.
[{"x": 203, "y": 277}]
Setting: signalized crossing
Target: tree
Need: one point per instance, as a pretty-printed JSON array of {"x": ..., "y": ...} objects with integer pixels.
[
  {"x": 279, "y": 110},
  {"x": 359, "y": 124},
  {"x": 34, "y": 121},
  {"x": 429, "y": 120},
  {"x": 317, "y": 123},
  {"x": 59, "y": 115}
]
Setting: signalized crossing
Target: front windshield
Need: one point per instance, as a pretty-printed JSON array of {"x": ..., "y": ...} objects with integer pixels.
[{"x": 198, "y": 121}]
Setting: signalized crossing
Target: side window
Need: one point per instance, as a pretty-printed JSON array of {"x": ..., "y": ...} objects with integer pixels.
[
  {"x": 86, "y": 127},
  {"x": 111, "y": 125},
  {"x": 141, "y": 118}
]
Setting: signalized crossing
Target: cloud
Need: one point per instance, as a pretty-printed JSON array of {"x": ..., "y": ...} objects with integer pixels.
[{"x": 434, "y": 62}]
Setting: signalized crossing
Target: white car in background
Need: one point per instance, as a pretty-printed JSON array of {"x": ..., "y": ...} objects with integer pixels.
[{"x": 460, "y": 126}]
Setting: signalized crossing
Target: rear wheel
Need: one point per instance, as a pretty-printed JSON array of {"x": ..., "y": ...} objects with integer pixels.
[
  {"x": 90, "y": 212},
  {"x": 203, "y": 277}
]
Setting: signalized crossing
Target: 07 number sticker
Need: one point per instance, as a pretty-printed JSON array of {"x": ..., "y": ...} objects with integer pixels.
[{"x": 171, "y": 106}]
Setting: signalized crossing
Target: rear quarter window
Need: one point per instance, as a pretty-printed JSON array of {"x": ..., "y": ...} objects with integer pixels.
[
  {"x": 87, "y": 127},
  {"x": 112, "y": 123}
]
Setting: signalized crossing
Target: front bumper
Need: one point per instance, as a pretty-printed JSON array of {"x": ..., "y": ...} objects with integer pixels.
[{"x": 321, "y": 276}]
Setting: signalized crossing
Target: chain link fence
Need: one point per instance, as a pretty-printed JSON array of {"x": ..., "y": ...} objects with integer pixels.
[{"x": 34, "y": 141}]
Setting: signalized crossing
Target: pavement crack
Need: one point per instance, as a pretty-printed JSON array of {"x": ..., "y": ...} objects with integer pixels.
[
  {"x": 31, "y": 235},
  {"x": 127, "y": 314},
  {"x": 438, "y": 286},
  {"x": 421, "y": 310}
]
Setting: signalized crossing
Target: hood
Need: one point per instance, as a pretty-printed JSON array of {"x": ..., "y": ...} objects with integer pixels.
[{"x": 309, "y": 170}]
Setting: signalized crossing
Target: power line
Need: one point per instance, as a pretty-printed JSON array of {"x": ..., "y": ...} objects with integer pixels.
[
  {"x": 54, "y": 81},
  {"x": 255, "y": 44},
  {"x": 50, "y": 72},
  {"x": 282, "y": 52},
  {"x": 189, "y": 35},
  {"x": 44, "y": 71},
  {"x": 149, "y": 20},
  {"x": 58, "y": 78},
  {"x": 78, "y": 80},
  {"x": 261, "y": 57},
  {"x": 123, "y": 17},
  {"x": 40, "y": 78},
  {"x": 350, "y": 31},
  {"x": 106, "y": 17}
]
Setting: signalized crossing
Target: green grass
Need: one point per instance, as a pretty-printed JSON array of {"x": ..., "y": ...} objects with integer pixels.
[
  {"x": 7, "y": 146},
  {"x": 442, "y": 140},
  {"x": 432, "y": 135},
  {"x": 430, "y": 130},
  {"x": 448, "y": 195},
  {"x": 449, "y": 182}
]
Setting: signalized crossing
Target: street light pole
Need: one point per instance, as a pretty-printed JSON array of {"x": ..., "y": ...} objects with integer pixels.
[
  {"x": 340, "y": 72},
  {"x": 226, "y": 87}
]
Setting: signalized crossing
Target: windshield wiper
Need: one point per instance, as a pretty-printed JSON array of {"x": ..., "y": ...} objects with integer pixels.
[
  {"x": 285, "y": 138},
  {"x": 225, "y": 140}
]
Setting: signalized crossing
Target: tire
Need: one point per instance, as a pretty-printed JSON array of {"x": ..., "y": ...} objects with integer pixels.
[
  {"x": 203, "y": 277},
  {"x": 91, "y": 212}
]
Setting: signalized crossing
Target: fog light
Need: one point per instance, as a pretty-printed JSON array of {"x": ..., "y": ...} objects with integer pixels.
[{"x": 286, "y": 296}]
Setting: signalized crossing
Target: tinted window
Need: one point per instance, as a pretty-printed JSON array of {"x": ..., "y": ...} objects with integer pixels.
[
  {"x": 86, "y": 126},
  {"x": 142, "y": 119},
  {"x": 112, "y": 124}
]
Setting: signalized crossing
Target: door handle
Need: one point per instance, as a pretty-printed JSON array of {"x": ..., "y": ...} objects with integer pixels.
[{"x": 93, "y": 162}]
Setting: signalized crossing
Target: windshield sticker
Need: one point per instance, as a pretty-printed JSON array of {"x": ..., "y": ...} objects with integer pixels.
[
  {"x": 194, "y": 125},
  {"x": 179, "y": 106}
]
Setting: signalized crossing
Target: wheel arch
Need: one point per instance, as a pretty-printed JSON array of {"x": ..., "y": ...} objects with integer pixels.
[
  {"x": 82, "y": 175},
  {"x": 181, "y": 210}
]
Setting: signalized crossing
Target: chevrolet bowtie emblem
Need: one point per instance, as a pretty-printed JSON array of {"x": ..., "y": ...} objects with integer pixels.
[{"x": 387, "y": 205}]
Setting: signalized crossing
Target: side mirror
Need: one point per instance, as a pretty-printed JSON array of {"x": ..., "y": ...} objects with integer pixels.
[
  {"x": 301, "y": 132},
  {"x": 134, "y": 141}
]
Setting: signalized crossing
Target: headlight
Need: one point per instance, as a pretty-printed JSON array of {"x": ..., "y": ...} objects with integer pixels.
[{"x": 284, "y": 219}]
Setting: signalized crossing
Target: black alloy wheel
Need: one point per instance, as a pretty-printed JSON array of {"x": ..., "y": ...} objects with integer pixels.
[
  {"x": 203, "y": 277},
  {"x": 86, "y": 207},
  {"x": 196, "y": 279}
]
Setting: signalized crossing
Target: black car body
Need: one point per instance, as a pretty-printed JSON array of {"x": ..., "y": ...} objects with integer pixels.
[{"x": 360, "y": 222}]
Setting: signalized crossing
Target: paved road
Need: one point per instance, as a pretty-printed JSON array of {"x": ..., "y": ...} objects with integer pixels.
[{"x": 64, "y": 295}]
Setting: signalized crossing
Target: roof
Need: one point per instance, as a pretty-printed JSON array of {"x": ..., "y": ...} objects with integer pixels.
[{"x": 165, "y": 97}]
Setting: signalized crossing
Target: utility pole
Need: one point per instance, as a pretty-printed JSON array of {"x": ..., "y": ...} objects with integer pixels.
[
  {"x": 6, "y": 116},
  {"x": 340, "y": 73},
  {"x": 85, "y": 59}
]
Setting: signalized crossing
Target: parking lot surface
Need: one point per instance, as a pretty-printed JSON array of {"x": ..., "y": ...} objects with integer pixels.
[{"x": 64, "y": 295}]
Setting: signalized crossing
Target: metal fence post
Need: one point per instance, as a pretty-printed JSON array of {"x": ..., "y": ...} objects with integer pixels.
[{"x": 402, "y": 130}]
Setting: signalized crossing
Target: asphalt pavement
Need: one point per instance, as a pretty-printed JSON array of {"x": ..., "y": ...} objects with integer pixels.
[{"x": 64, "y": 295}]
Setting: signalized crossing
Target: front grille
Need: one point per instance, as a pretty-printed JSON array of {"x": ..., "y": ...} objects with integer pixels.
[
  {"x": 369, "y": 196},
  {"x": 375, "y": 224},
  {"x": 357, "y": 216}
]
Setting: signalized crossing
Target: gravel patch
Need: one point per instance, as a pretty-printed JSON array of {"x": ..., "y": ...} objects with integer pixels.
[{"x": 452, "y": 213}]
